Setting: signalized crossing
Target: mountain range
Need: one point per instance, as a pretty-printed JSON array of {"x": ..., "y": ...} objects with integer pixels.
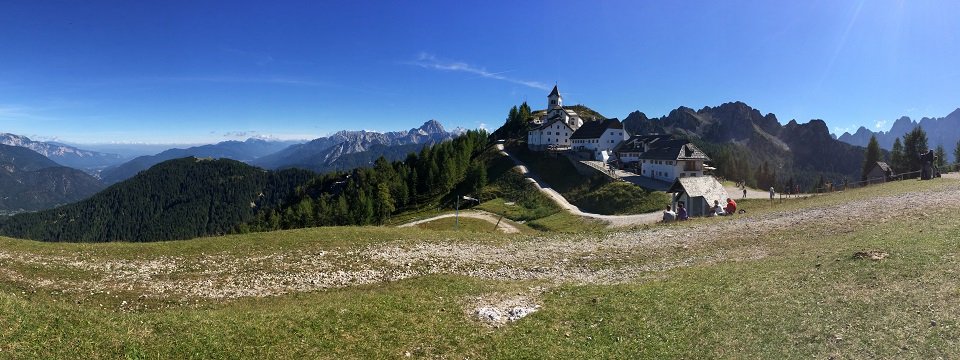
[
  {"x": 940, "y": 131},
  {"x": 30, "y": 181},
  {"x": 65, "y": 155},
  {"x": 245, "y": 151},
  {"x": 748, "y": 145},
  {"x": 334, "y": 152}
]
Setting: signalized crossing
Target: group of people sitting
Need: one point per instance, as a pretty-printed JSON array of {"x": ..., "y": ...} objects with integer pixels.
[{"x": 681, "y": 213}]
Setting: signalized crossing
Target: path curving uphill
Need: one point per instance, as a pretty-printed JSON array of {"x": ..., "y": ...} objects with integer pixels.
[
  {"x": 473, "y": 214},
  {"x": 614, "y": 221}
]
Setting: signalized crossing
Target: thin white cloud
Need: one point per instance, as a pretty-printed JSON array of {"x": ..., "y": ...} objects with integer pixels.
[
  {"x": 254, "y": 134},
  {"x": 482, "y": 126},
  {"x": 429, "y": 61},
  {"x": 238, "y": 134},
  {"x": 841, "y": 130},
  {"x": 18, "y": 112},
  {"x": 880, "y": 125}
]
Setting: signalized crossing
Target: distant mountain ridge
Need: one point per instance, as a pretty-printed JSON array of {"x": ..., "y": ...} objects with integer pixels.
[
  {"x": 746, "y": 144},
  {"x": 29, "y": 181},
  {"x": 245, "y": 151},
  {"x": 940, "y": 131},
  {"x": 63, "y": 154},
  {"x": 327, "y": 153}
]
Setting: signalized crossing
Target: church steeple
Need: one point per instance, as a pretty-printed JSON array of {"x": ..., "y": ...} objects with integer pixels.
[{"x": 554, "y": 100}]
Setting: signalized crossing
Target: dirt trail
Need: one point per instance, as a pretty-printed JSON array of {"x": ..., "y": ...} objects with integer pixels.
[
  {"x": 608, "y": 258},
  {"x": 474, "y": 214}
]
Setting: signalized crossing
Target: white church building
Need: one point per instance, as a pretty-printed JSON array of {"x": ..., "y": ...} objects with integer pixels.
[{"x": 553, "y": 130}]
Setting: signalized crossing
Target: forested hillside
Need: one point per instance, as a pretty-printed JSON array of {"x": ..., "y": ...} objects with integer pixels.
[
  {"x": 190, "y": 197},
  {"x": 177, "y": 199},
  {"x": 371, "y": 195}
]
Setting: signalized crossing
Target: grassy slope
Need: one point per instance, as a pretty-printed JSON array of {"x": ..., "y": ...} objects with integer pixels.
[
  {"x": 807, "y": 298},
  {"x": 595, "y": 194}
]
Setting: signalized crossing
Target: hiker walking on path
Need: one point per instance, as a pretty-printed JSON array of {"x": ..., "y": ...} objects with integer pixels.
[
  {"x": 772, "y": 192},
  {"x": 744, "y": 191}
]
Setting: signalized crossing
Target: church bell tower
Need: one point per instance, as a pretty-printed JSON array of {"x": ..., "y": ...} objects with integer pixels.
[{"x": 554, "y": 100}]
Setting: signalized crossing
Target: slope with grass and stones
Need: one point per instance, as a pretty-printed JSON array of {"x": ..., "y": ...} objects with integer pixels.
[{"x": 785, "y": 279}]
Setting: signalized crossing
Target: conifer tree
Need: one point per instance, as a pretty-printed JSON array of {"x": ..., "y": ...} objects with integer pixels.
[
  {"x": 897, "y": 159},
  {"x": 384, "y": 203},
  {"x": 914, "y": 143},
  {"x": 871, "y": 157},
  {"x": 956, "y": 152},
  {"x": 941, "y": 157}
]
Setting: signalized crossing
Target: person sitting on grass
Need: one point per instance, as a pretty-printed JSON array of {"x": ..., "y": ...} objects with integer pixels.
[
  {"x": 731, "y": 207},
  {"x": 681, "y": 212},
  {"x": 716, "y": 210},
  {"x": 669, "y": 215}
]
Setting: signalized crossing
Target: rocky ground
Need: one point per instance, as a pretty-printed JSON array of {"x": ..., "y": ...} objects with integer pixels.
[{"x": 600, "y": 258}]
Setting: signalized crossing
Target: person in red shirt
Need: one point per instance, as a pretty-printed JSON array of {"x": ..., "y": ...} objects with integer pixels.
[{"x": 731, "y": 207}]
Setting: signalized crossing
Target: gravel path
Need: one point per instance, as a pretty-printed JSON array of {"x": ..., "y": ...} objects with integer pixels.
[
  {"x": 605, "y": 258},
  {"x": 475, "y": 214}
]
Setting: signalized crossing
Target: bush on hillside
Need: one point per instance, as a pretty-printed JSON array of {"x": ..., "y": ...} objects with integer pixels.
[{"x": 618, "y": 198}]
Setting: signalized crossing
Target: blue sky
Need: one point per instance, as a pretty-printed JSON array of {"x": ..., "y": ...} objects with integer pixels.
[{"x": 205, "y": 71}]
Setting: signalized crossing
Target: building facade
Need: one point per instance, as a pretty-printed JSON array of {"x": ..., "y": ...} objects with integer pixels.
[
  {"x": 661, "y": 157},
  {"x": 599, "y": 138}
]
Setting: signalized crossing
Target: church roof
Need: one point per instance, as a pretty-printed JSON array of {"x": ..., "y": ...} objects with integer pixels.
[
  {"x": 594, "y": 129},
  {"x": 555, "y": 92}
]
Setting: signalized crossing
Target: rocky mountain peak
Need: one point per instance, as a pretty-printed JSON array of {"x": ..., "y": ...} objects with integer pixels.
[{"x": 432, "y": 127}]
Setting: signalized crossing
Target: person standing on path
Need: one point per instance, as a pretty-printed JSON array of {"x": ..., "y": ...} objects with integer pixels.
[
  {"x": 772, "y": 192},
  {"x": 744, "y": 191}
]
